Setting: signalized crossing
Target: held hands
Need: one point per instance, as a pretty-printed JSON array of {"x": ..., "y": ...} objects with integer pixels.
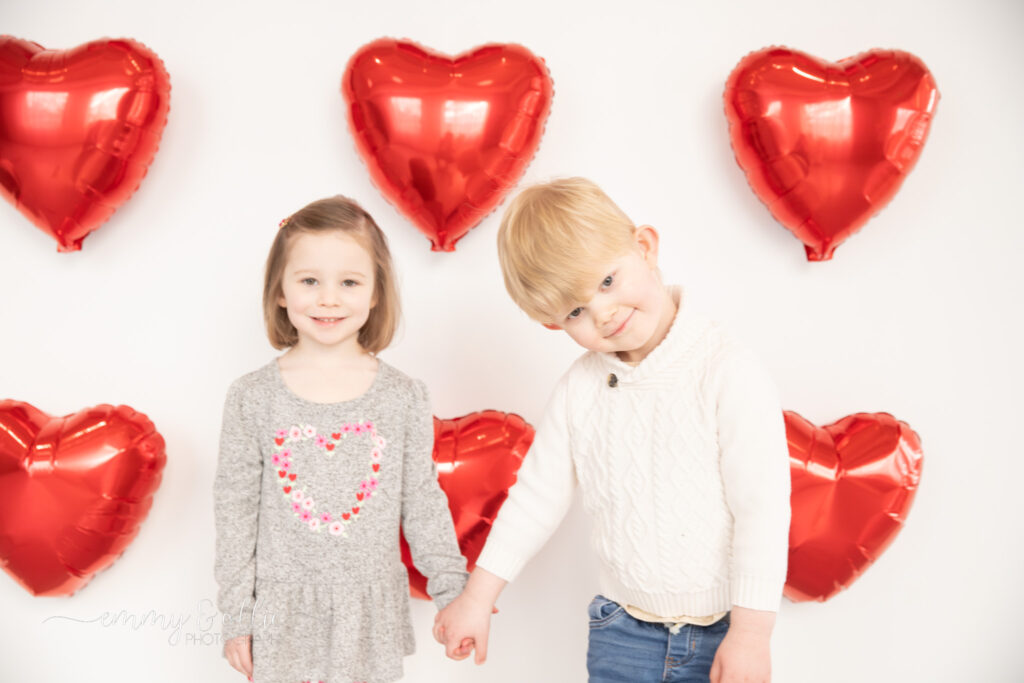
[
  {"x": 465, "y": 624},
  {"x": 238, "y": 652},
  {"x": 744, "y": 655}
]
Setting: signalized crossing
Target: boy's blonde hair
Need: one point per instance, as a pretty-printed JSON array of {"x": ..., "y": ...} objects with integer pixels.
[
  {"x": 554, "y": 240},
  {"x": 325, "y": 215}
]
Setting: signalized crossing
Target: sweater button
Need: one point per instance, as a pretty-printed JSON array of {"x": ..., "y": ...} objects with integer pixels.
[{"x": 613, "y": 381}]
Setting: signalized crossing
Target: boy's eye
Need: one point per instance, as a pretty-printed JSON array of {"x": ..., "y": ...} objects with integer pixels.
[
  {"x": 574, "y": 313},
  {"x": 607, "y": 282}
]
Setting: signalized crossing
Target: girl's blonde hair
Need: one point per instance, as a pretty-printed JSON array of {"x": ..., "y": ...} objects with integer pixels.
[
  {"x": 554, "y": 240},
  {"x": 325, "y": 215}
]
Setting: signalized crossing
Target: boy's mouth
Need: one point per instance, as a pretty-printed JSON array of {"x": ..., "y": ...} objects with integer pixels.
[{"x": 625, "y": 322}]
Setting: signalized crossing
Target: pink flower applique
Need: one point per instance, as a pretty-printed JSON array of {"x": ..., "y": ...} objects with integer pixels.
[
  {"x": 308, "y": 504},
  {"x": 309, "y": 431},
  {"x": 358, "y": 428},
  {"x": 297, "y": 496},
  {"x": 314, "y": 524},
  {"x": 368, "y": 486},
  {"x": 286, "y": 453},
  {"x": 281, "y": 433},
  {"x": 321, "y": 440},
  {"x": 368, "y": 426},
  {"x": 346, "y": 428},
  {"x": 295, "y": 433},
  {"x": 296, "y": 507},
  {"x": 305, "y": 516},
  {"x": 286, "y": 464},
  {"x": 325, "y": 517},
  {"x": 276, "y": 459},
  {"x": 336, "y": 528},
  {"x": 380, "y": 441},
  {"x": 375, "y": 454}
]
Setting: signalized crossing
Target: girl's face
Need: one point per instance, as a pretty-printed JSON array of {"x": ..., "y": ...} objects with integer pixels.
[{"x": 327, "y": 289}]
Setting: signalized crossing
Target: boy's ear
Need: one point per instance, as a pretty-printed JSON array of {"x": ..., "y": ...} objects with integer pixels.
[
  {"x": 551, "y": 326},
  {"x": 647, "y": 240}
]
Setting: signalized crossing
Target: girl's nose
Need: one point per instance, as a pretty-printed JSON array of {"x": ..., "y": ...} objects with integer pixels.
[{"x": 329, "y": 296}]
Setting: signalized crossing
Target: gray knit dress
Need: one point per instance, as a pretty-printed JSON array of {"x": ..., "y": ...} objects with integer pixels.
[{"x": 308, "y": 499}]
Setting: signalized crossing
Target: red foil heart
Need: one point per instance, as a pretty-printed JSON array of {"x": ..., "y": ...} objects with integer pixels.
[
  {"x": 825, "y": 146},
  {"x": 78, "y": 130},
  {"x": 853, "y": 484},
  {"x": 477, "y": 459},
  {"x": 73, "y": 491},
  {"x": 445, "y": 138}
]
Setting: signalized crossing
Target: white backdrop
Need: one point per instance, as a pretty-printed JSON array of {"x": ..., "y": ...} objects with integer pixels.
[{"x": 917, "y": 315}]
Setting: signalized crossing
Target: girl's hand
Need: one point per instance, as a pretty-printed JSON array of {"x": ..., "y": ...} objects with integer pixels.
[{"x": 238, "y": 652}]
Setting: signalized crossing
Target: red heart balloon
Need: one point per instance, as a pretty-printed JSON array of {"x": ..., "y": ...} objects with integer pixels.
[
  {"x": 826, "y": 146},
  {"x": 445, "y": 137},
  {"x": 73, "y": 491},
  {"x": 853, "y": 484},
  {"x": 78, "y": 129},
  {"x": 477, "y": 458}
]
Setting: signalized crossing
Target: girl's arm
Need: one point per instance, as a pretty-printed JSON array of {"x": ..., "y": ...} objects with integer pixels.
[
  {"x": 236, "y": 506},
  {"x": 426, "y": 519}
]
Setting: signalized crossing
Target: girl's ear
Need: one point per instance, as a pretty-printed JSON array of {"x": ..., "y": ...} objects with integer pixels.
[
  {"x": 647, "y": 240},
  {"x": 551, "y": 326}
]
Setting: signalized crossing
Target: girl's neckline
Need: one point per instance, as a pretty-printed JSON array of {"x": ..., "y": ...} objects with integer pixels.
[{"x": 279, "y": 378}]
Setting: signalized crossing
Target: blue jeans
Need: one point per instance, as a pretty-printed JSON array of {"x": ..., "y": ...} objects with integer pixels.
[{"x": 626, "y": 650}]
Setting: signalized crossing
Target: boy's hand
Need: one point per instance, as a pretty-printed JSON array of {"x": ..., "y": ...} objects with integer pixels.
[
  {"x": 745, "y": 654},
  {"x": 238, "y": 652}
]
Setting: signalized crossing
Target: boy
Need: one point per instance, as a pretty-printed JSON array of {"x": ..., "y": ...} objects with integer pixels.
[{"x": 676, "y": 438}]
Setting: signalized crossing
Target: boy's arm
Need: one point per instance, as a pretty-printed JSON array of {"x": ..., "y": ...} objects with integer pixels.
[
  {"x": 536, "y": 504},
  {"x": 756, "y": 479},
  {"x": 754, "y": 462},
  {"x": 539, "y": 499}
]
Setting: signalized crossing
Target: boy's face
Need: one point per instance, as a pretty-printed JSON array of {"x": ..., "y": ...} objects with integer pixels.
[{"x": 630, "y": 311}]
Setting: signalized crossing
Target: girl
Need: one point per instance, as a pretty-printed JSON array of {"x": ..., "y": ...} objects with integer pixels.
[{"x": 324, "y": 452}]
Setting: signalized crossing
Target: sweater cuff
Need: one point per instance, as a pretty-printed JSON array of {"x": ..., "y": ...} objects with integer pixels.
[
  {"x": 500, "y": 562},
  {"x": 756, "y": 592}
]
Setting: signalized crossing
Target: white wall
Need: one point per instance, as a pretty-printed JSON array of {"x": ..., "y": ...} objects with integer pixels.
[{"x": 918, "y": 315}]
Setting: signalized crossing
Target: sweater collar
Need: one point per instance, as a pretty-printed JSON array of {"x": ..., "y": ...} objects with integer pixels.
[{"x": 681, "y": 335}]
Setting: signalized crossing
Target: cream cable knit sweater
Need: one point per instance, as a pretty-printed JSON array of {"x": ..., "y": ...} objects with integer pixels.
[{"x": 682, "y": 464}]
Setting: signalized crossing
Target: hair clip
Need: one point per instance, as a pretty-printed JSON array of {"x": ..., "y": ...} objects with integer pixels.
[{"x": 284, "y": 222}]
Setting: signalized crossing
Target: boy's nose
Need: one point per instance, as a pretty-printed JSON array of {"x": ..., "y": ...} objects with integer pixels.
[{"x": 606, "y": 315}]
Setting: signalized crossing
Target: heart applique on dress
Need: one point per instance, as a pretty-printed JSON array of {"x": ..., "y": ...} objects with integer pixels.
[{"x": 303, "y": 504}]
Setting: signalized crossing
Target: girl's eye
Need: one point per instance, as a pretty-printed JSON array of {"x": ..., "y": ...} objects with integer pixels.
[
  {"x": 607, "y": 282},
  {"x": 574, "y": 313},
  {"x": 309, "y": 281},
  {"x": 349, "y": 283}
]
